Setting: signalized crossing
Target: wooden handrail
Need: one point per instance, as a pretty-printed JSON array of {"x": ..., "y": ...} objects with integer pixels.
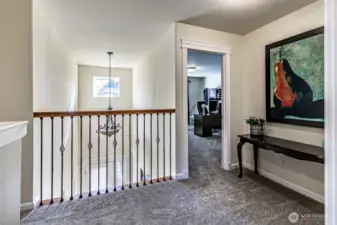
[{"x": 102, "y": 113}]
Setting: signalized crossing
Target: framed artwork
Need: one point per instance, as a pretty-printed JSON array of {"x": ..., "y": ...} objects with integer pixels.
[{"x": 295, "y": 80}]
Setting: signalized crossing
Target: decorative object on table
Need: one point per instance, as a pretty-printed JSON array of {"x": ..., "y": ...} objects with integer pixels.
[
  {"x": 257, "y": 126},
  {"x": 295, "y": 79},
  {"x": 110, "y": 127}
]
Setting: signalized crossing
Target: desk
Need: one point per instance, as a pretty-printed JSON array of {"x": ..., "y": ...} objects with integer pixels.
[
  {"x": 204, "y": 124},
  {"x": 292, "y": 149}
]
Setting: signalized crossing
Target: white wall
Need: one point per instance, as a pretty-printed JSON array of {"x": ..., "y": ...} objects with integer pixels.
[
  {"x": 85, "y": 88},
  {"x": 16, "y": 94},
  {"x": 153, "y": 76},
  {"x": 213, "y": 81},
  {"x": 196, "y": 88},
  {"x": 305, "y": 175},
  {"x": 193, "y": 33},
  {"x": 10, "y": 176},
  {"x": 54, "y": 89},
  {"x": 154, "y": 88}
]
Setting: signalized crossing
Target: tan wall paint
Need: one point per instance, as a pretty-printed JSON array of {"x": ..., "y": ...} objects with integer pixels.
[
  {"x": 304, "y": 174},
  {"x": 16, "y": 98}
]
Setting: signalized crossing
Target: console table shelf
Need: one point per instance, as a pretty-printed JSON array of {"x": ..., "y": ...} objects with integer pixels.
[{"x": 292, "y": 149}]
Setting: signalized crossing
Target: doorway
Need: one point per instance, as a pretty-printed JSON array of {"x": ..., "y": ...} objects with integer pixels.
[
  {"x": 204, "y": 86},
  {"x": 224, "y": 53}
]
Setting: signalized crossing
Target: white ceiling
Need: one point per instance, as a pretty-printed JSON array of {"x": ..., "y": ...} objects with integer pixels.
[{"x": 130, "y": 28}]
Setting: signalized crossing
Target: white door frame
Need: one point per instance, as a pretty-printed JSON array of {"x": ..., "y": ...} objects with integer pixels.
[
  {"x": 330, "y": 112},
  {"x": 225, "y": 88}
]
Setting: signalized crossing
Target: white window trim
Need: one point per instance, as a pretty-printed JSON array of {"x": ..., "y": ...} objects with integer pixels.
[{"x": 104, "y": 77}]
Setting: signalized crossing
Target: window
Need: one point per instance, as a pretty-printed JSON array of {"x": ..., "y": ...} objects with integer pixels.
[{"x": 101, "y": 86}]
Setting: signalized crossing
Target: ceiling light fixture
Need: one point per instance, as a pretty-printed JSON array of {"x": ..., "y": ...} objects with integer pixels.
[
  {"x": 110, "y": 127},
  {"x": 191, "y": 69}
]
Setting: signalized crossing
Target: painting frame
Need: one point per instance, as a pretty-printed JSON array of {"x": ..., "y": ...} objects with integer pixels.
[{"x": 268, "y": 48}]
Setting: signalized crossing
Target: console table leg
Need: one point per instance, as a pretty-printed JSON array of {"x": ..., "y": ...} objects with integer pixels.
[
  {"x": 256, "y": 154},
  {"x": 239, "y": 147}
]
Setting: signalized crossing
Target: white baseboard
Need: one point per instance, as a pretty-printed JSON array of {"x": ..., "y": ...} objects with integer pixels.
[
  {"x": 245, "y": 165},
  {"x": 229, "y": 166},
  {"x": 181, "y": 176},
  {"x": 26, "y": 206},
  {"x": 286, "y": 183}
]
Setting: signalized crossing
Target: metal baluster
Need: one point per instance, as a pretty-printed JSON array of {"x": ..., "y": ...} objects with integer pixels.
[
  {"x": 89, "y": 148},
  {"x": 158, "y": 140},
  {"x": 151, "y": 145},
  {"x": 115, "y": 145},
  {"x": 62, "y": 149},
  {"x": 106, "y": 157},
  {"x": 130, "y": 170},
  {"x": 170, "y": 146},
  {"x": 144, "y": 182},
  {"x": 52, "y": 161},
  {"x": 123, "y": 152},
  {"x": 72, "y": 158},
  {"x": 98, "y": 152},
  {"x": 137, "y": 142},
  {"x": 164, "y": 178},
  {"x": 81, "y": 155},
  {"x": 41, "y": 162}
]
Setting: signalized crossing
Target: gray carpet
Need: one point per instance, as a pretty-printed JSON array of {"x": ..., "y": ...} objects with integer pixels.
[{"x": 210, "y": 196}]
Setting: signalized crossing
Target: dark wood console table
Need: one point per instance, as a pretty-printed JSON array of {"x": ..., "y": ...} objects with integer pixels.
[{"x": 292, "y": 149}]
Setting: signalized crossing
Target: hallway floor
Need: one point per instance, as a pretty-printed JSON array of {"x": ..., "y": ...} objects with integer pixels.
[{"x": 210, "y": 196}]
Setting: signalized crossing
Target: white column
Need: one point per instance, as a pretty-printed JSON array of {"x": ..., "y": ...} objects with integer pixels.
[
  {"x": 184, "y": 136},
  {"x": 226, "y": 111},
  {"x": 11, "y": 134},
  {"x": 330, "y": 112}
]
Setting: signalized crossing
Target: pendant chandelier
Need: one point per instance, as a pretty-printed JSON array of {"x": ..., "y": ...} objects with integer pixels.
[{"x": 110, "y": 127}]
